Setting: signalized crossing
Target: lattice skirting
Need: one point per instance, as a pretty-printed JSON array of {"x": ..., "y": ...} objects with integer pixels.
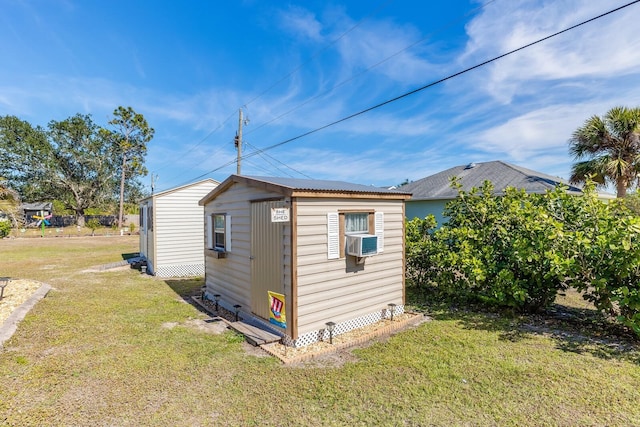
[
  {"x": 341, "y": 328},
  {"x": 182, "y": 270},
  {"x": 319, "y": 335}
]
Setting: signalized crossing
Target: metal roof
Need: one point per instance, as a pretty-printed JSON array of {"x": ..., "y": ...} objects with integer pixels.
[
  {"x": 294, "y": 187},
  {"x": 37, "y": 206},
  {"x": 180, "y": 187},
  {"x": 324, "y": 185},
  {"x": 501, "y": 174}
]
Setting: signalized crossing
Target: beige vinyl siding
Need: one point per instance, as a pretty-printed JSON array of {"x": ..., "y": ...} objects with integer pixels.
[
  {"x": 178, "y": 232},
  {"x": 338, "y": 289},
  {"x": 231, "y": 276}
]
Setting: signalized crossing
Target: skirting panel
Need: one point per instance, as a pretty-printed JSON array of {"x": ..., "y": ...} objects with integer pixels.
[
  {"x": 314, "y": 336},
  {"x": 184, "y": 270},
  {"x": 341, "y": 328}
]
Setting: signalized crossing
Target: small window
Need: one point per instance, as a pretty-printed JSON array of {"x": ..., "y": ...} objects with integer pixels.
[
  {"x": 218, "y": 229},
  {"x": 356, "y": 223},
  {"x": 341, "y": 224},
  {"x": 219, "y": 232}
]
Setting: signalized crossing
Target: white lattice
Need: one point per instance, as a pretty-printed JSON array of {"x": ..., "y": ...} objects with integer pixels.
[
  {"x": 314, "y": 336},
  {"x": 184, "y": 270},
  {"x": 341, "y": 328}
]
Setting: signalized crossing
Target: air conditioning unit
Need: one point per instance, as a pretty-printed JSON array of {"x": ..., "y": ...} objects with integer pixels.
[{"x": 362, "y": 245}]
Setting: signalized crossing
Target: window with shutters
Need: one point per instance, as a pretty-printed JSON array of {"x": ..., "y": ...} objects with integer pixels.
[
  {"x": 343, "y": 223},
  {"x": 218, "y": 232}
]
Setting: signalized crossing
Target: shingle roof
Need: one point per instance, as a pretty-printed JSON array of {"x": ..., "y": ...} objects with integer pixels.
[{"x": 501, "y": 174}]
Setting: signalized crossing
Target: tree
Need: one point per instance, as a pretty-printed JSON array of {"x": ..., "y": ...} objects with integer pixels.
[
  {"x": 10, "y": 203},
  {"x": 22, "y": 150},
  {"x": 608, "y": 149},
  {"x": 71, "y": 161},
  {"x": 130, "y": 138},
  {"x": 81, "y": 167}
]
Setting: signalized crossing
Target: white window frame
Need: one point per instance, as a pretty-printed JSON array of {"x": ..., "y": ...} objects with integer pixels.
[
  {"x": 224, "y": 231},
  {"x": 337, "y": 230}
]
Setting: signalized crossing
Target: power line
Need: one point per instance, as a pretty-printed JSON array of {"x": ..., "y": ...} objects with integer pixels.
[
  {"x": 278, "y": 161},
  {"x": 315, "y": 55},
  {"x": 353, "y": 77},
  {"x": 295, "y": 70},
  {"x": 204, "y": 139},
  {"x": 421, "y": 88}
]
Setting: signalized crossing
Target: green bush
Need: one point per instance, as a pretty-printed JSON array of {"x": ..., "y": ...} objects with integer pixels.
[
  {"x": 519, "y": 250},
  {"x": 93, "y": 224},
  {"x": 5, "y": 228}
]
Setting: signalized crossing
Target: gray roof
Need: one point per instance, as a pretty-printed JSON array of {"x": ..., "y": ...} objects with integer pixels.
[
  {"x": 501, "y": 174},
  {"x": 325, "y": 185},
  {"x": 38, "y": 206},
  {"x": 295, "y": 187}
]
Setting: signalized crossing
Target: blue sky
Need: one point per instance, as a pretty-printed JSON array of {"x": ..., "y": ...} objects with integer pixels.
[{"x": 296, "y": 66}]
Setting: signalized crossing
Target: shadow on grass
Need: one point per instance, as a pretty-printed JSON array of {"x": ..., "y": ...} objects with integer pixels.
[
  {"x": 186, "y": 288},
  {"x": 576, "y": 330}
]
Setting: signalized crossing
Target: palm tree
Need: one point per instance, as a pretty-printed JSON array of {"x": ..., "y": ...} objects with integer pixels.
[{"x": 608, "y": 149}]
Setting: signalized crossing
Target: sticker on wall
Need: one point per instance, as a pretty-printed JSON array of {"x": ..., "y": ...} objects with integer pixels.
[{"x": 277, "y": 314}]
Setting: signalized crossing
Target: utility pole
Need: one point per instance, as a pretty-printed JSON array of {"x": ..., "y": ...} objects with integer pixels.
[{"x": 238, "y": 140}]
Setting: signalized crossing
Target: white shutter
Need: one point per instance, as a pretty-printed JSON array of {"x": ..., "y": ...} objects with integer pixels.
[
  {"x": 379, "y": 224},
  {"x": 227, "y": 233},
  {"x": 209, "y": 239},
  {"x": 333, "y": 236}
]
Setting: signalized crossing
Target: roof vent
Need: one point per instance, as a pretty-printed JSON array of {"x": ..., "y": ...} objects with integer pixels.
[{"x": 470, "y": 166}]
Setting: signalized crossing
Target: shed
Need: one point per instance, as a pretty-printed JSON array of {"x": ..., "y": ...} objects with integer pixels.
[
  {"x": 300, "y": 239},
  {"x": 29, "y": 210},
  {"x": 171, "y": 236}
]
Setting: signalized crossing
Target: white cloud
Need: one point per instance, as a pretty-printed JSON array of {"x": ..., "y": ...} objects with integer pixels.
[
  {"x": 604, "y": 48},
  {"x": 384, "y": 47},
  {"x": 302, "y": 23}
]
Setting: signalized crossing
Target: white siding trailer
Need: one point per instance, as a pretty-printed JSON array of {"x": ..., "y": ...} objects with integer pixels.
[
  {"x": 333, "y": 250},
  {"x": 171, "y": 236}
]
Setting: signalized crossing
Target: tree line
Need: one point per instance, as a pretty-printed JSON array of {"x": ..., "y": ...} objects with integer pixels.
[{"x": 75, "y": 161}]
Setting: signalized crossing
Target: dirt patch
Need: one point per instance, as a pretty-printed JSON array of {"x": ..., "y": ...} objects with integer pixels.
[
  {"x": 211, "y": 326},
  {"x": 15, "y": 294}
]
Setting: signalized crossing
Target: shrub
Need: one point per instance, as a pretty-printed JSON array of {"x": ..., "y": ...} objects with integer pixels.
[
  {"x": 93, "y": 224},
  {"x": 5, "y": 228},
  {"x": 519, "y": 250}
]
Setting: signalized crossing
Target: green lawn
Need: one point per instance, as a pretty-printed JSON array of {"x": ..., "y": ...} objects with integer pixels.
[{"x": 118, "y": 348}]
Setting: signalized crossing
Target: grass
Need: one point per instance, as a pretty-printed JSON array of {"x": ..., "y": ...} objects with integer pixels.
[{"x": 98, "y": 351}]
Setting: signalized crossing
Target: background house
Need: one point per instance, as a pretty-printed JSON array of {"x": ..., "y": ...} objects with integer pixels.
[
  {"x": 171, "y": 231},
  {"x": 291, "y": 236},
  {"x": 29, "y": 210},
  {"x": 430, "y": 194}
]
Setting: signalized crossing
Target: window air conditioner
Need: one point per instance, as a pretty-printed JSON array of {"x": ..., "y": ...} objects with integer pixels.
[{"x": 361, "y": 245}]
